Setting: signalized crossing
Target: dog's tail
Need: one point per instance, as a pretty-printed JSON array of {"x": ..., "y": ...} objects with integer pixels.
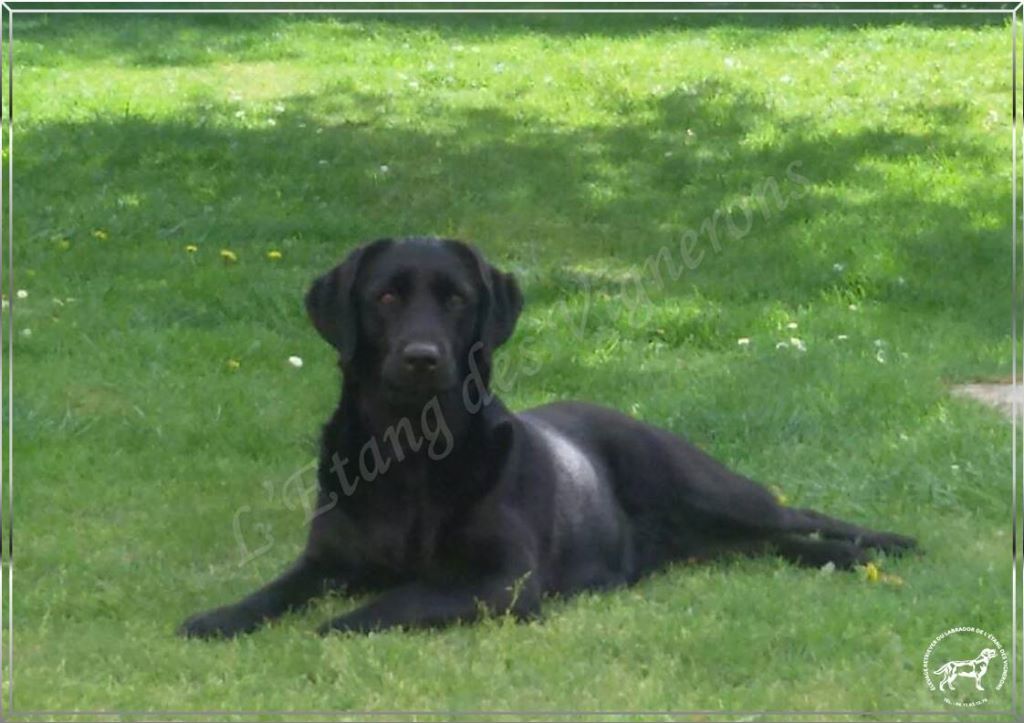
[{"x": 945, "y": 669}]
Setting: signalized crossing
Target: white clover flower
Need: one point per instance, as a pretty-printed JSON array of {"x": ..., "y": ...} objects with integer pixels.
[
  {"x": 880, "y": 356},
  {"x": 743, "y": 341},
  {"x": 384, "y": 168},
  {"x": 842, "y": 337},
  {"x": 295, "y": 361},
  {"x": 838, "y": 268},
  {"x": 791, "y": 325},
  {"x": 22, "y": 294}
]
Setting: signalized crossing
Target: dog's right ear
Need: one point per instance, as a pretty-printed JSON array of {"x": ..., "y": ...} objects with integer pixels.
[{"x": 331, "y": 305}]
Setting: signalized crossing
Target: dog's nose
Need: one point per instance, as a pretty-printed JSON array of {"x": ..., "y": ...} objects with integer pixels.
[{"x": 421, "y": 357}]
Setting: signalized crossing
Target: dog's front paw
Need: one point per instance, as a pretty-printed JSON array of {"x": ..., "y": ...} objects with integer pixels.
[
  {"x": 890, "y": 542},
  {"x": 225, "y": 622}
]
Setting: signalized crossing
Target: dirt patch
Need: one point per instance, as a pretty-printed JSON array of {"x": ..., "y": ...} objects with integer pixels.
[{"x": 1000, "y": 396}]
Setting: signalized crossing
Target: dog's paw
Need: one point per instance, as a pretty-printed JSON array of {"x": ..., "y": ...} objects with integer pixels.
[
  {"x": 890, "y": 542},
  {"x": 225, "y": 622}
]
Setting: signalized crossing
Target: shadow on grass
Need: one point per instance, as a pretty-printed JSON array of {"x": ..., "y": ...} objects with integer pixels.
[
  {"x": 588, "y": 205},
  {"x": 175, "y": 40}
]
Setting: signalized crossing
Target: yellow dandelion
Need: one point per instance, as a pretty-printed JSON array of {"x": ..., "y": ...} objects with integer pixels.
[
  {"x": 274, "y": 255},
  {"x": 99, "y": 234},
  {"x": 233, "y": 364},
  {"x": 871, "y": 572},
  {"x": 191, "y": 248},
  {"x": 228, "y": 256}
]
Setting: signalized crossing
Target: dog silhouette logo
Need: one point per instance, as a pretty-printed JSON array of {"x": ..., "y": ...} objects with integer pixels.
[
  {"x": 974, "y": 669},
  {"x": 951, "y": 646}
]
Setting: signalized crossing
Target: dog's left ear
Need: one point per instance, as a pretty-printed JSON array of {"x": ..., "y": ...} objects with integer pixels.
[
  {"x": 506, "y": 303},
  {"x": 502, "y": 303}
]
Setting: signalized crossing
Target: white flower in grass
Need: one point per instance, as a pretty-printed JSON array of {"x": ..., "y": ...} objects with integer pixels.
[
  {"x": 791, "y": 325},
  {"x": 743, "y": 341},
  {"x": 26, "y": 333},
  {"x": 384, "y": 168},
  {"x": 21, "y": 294},
  {"x": 797, "y": 344},
  {"x": 842, "y": 337},
  {"x": 295, "y": 361},
  {"x": 880, "y": 356},
  {"x": 838, "y": 268},
  {"x": 4, "y": 303},
  {"x": 955, "y": 467},
  {"x": 852, "y": 307}
]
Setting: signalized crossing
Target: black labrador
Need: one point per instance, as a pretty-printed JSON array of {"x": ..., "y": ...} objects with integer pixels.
[{"x": 434, "y": 494}]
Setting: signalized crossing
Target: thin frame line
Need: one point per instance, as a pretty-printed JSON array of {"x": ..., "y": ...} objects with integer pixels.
[
  {"x": 960, "y": 713},
  {"x": 1013, "y": 336},
  {"x": 418, "y": 11},
  {"x": 10, "y": 357},
  {"x": 3, "y": 327},
  {"x": 506, "y": 11},
  {"x": 979, "y": 3}
]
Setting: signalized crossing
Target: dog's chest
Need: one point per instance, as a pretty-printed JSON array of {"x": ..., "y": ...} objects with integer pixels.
[{"x": 403, "y": 536}]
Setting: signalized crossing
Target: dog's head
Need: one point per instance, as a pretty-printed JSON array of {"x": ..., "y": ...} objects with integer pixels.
[{"x": 408, "y": 313}]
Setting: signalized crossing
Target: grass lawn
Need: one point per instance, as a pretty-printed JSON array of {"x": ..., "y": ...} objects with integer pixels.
[{"x": 159, "y": 426}]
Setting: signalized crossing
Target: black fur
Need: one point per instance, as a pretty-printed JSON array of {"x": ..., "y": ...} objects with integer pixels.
[{"x": 446, "y": 503}]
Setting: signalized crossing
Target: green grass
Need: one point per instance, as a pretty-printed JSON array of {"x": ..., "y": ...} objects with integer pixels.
[{"x": 571, "y": 149}]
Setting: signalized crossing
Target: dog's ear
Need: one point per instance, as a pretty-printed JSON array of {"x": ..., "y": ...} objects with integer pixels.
[
  {"x": 506, "y": 303},
  {"x": 502, "y": 302},
  {"x": 331, "y": 305}
]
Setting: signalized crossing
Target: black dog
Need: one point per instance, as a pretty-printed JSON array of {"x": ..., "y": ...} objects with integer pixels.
[{"x": 436, "y": 494}]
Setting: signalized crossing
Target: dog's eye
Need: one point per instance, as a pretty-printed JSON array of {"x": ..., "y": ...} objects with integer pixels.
[
  {"x": 455, "y": 301},
  {"x": 387, "y": 297}
]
